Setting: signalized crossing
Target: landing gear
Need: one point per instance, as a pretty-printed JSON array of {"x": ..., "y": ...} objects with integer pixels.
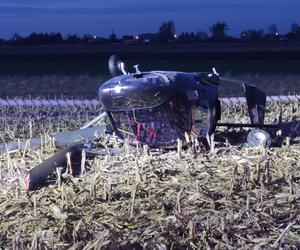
[{"x": 259, "y": 137}]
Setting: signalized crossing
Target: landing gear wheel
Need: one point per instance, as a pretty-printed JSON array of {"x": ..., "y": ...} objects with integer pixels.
[{"x": 259, "y": 137}]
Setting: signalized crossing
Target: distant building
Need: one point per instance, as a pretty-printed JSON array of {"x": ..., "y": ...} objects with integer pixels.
[
  {"x": 148, "y": 37},
  {"x": 100, "y": 40}
]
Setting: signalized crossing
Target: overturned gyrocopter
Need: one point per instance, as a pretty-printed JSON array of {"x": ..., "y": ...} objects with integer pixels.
[{"x": 156, "y": 109}]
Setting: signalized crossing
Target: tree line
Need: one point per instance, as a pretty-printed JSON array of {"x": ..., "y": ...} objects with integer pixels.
[{"x": 218, "y": 33}]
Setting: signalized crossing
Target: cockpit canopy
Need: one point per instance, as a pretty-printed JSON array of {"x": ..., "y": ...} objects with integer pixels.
[{"x": 157, "y": 108}]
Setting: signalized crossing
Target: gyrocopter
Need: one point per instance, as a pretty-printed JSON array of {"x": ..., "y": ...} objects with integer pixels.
[{"x": 156, "y": 108}]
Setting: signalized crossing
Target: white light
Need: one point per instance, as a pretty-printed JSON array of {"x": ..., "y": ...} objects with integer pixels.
[
  {"x": 137, "y": 37},
  {"x": 118, "y": 89},
  {"x": 175, "y": 36},
  {"x": 276, "y": 33},
  {"x": 95, "y": 37}
]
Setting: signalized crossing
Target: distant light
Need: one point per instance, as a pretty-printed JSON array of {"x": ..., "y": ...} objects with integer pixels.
[
  {"x": 244, "y": 34},
  {"x": 137, "y": 37},
  {"x": 95, "y": 37},
  {"x": 175, "y": 36},
  {"x": 276, "y": 34}
]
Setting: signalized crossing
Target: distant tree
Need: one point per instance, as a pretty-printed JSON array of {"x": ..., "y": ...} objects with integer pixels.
[
  {"x": 166, "y": 32},
  {"x": 295, "y": 28},
  {"x": 113, "y": 37},
  {"x": 16, "y": 39},
  {"x": 272, "y": 29},
  {"x": 31, "y": 39},
  {"x": 218, "y": 30},
  {"x": 186, "y": 37},
  {"x": 202, "y": 36},
  {"x": 72, "y": 39},
  {"x": 16, "y": 36},
  {"x": 294, "y": 33},
  {"x": 34, "y": 39},
  {"x": 53, "y": 38},
  {"x": 252, "y": 35},
  {"x": 273, "y": 34},
  {"x": 87, "y": 39}
]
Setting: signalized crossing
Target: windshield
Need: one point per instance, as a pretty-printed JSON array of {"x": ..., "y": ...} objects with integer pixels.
[{"x": 159, "y": 126}]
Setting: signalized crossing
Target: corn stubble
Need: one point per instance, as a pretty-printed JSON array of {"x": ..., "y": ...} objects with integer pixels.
[{"x": 222, "y": 196}]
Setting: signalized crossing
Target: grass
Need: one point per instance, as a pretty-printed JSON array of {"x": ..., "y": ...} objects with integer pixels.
[{"x": 226, "y": 197}]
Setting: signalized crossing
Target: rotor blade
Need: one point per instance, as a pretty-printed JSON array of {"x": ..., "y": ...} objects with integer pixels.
[
  {"x": 216, "y": 79},
  {"x": 225, "y": 80},
  {"x": 39, "y": 174},
  {"x": 96, "y": 119},
  {"x": 60, "y": 140},
  {"x": 239, "y": 125}
]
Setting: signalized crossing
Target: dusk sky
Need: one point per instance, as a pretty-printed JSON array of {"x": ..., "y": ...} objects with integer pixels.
[{"x": 99, "y": 17}]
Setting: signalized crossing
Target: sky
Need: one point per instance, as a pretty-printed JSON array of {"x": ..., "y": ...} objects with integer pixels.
[{"x": 100, "y": 17}]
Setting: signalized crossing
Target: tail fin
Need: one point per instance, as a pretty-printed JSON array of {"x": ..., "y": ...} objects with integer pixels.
[{"x": 256, "y": 99}]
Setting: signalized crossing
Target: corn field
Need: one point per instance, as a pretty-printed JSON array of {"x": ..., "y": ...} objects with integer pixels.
[{"x": 223, "y": 195}]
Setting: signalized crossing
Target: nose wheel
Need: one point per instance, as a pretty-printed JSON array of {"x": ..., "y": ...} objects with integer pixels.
[{"x": 259, "y": 137}]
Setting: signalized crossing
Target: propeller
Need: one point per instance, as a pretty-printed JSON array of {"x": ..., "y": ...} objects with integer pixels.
[{"x": 116, "y": 66}]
